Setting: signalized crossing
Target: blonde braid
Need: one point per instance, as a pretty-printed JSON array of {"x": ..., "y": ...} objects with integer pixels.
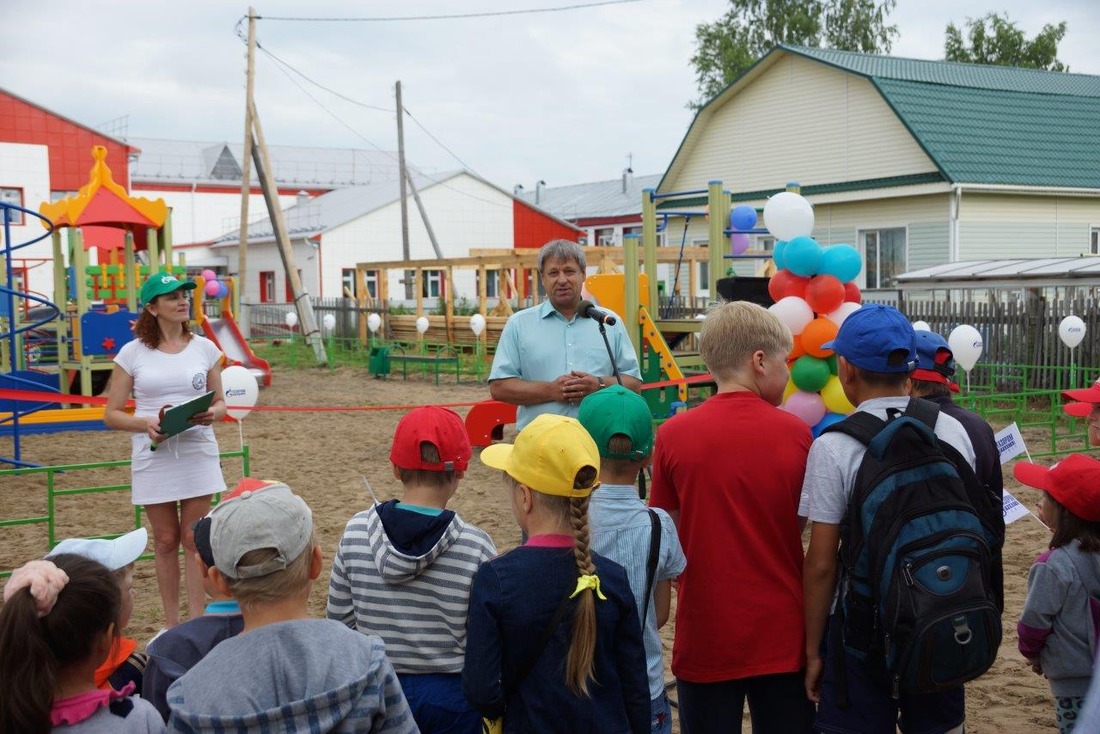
[{"x": 582, "y": 648}]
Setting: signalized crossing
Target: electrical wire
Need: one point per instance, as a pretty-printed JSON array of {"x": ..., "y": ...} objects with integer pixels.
[{"x": 449, "y": 16}]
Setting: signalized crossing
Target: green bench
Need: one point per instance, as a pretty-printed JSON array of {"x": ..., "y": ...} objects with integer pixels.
[{"x": 444, "y": 356}]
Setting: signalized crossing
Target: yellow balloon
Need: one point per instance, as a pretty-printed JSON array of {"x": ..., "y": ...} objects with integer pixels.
[
  {"x": 787, "y": 391},
  {"x": 835, "y": 399}
]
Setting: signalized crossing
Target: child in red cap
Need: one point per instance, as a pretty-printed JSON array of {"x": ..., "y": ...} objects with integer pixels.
[
  {"x": 1058, "y": 627},
  {"x": 403, "y": 570},
  {"x": 1087, "y": 406}
]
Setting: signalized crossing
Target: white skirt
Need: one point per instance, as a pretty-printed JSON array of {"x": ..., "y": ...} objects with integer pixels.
[{"x": 184, "y": 466}]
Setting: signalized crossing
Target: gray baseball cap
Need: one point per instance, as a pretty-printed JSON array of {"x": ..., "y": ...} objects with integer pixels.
[{"x": 259, "y": 514}]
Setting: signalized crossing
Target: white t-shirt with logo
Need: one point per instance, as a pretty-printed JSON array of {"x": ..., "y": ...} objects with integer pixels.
[{"x": 185, "y": 465}]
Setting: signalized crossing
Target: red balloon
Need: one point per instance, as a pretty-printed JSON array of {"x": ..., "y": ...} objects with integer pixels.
[
  {"x": 825, "y": 293},
  {"x": 852, "y": 294},
  {"x": 785, "y": 283}
]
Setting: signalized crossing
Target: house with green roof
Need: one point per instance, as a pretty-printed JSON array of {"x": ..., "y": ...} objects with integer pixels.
[{"x": 917, "y": 163}]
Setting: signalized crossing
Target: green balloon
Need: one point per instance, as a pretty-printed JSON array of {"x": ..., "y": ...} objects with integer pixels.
[
  {"x": 832, "y": 363},
  {"x": 810, "y": 373}
]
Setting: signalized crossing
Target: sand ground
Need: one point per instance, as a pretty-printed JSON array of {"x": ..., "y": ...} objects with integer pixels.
[{"x": 324, "y": 456}]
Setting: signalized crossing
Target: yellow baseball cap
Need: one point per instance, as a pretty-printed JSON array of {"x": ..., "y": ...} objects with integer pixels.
[{"x": 547, "y": 455}]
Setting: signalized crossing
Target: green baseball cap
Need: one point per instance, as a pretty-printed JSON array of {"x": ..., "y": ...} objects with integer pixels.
[
  {"x": 615, "y": 410},
  {"x": 161, "y": 283}
]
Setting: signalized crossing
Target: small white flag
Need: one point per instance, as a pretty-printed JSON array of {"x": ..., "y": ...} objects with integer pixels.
[
  {"x": 1012, "y": 508},
  {"x": 1010, "y": 442}
]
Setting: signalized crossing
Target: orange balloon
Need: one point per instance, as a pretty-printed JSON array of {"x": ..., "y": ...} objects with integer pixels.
[
  {"x": 797, "y": 350},
  {"x": 816, "y": 333}
]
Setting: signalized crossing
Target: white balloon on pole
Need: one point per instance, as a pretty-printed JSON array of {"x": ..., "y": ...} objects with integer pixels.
[
  {"x": 966, "y": 345},
  {"x": 374, "y": 321},
  {"x": 241, "y": 389},
  {"x": 794, "y": 312},
  {"x": 477, "y": 324},
  {"x": 921, "y": 326},
  {"x": 328, "y": 321},
  {"x": 788, "y": 215},
  {"x": 422, "y": 324},
  {"x": 1071, "y": 331},
  {"x": 291, "y": 319}
]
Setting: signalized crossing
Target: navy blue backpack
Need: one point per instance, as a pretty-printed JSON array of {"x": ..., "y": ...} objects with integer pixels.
[{"x": 917, "y": 545}]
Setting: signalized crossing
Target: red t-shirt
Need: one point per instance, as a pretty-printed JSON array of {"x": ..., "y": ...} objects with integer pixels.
[{"x": 732, "y": 467}]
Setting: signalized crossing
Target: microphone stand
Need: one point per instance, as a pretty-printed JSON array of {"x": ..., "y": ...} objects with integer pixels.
[{"x": 610, "y": 354}]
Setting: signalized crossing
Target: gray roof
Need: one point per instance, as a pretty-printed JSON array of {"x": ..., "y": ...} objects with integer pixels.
[
  {"x": 595, "y": 199},
  {"x": 214, "y": 163},
  {"x": 1022, "y": 272},
  {"x": 321, "y": 213}
]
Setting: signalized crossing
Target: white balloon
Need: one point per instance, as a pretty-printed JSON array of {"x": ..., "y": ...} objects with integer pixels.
[
  {"x": 794, "y": 312},
  {"x": 422, "y": 324},
  {"x": 291, "y": 319},
  {"x": 477, "y": 324},
  {"x": 966, "y": 344},
  {"x": 241, "y": 389},
  {"x": 846, "y": 309},
  {"x": 328, "y": 321},
  {"x": 374, "y": 321},
  {"x": 921, "y": 326},
  {"x": 788, "y": 215},
  {"x": 1071, "y": 331}
]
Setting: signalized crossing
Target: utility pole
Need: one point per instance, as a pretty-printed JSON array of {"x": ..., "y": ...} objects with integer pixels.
[
  {"x": 306, "y": 316},
  {"x": 405, "y": 255},
  {"x": 424, "y": 217},
  {"x": 246, "y": 167}
]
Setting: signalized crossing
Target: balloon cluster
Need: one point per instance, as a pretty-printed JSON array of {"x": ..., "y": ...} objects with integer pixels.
[
  {"x": 214, "y": 288},
  {"x": 814, "y": 291}
]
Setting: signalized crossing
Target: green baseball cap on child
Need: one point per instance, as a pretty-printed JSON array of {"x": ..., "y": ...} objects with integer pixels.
[
  {"x": 161, "y": 283},
  {"x": 615, "y": 410}
]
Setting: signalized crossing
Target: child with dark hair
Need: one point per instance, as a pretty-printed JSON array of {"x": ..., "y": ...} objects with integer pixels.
[
  {"x": 525, "y": 661},
  {"x": 58, "y": 623},
  {"x": 1058, "y": 626},
  {"x": 414, "y": 559},
  {"x": 175, "y": 651}
]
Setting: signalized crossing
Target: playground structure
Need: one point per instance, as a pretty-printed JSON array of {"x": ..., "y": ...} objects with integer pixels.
[{"x": 105, "y": 245}]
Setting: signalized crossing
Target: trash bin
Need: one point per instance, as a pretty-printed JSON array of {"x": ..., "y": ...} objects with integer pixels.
[{"x": 379, "y": 361}]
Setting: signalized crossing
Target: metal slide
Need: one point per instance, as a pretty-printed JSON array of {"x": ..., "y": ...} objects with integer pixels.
[{"x": 227, "y": 336}]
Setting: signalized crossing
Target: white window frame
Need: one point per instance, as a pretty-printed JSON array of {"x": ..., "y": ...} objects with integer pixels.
[
  {"x": 432, "y": 281},
  {"x": 861, "y": 239},
  {"x": 1094, "y": 240}
]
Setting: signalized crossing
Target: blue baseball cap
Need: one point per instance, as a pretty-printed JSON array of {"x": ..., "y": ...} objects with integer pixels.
[
  {"x": 869, "y": 337},
  {"x": 935, "y": 360}
]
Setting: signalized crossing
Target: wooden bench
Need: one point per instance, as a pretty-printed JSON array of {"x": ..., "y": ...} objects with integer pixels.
[{"x": 442, "y": 356}]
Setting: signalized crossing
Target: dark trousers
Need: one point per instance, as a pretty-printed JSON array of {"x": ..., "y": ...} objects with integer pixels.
[{"x": 777, "y": 705}]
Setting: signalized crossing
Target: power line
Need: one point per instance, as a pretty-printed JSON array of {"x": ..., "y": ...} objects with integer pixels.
[
  {"x": 439, "y": 142},
  {"x": 452, "y": 16},
  {"x": 316, "y": 83}
]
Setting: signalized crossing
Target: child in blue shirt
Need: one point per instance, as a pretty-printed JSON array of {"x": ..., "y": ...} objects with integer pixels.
[{"x": 621, "y": 424}]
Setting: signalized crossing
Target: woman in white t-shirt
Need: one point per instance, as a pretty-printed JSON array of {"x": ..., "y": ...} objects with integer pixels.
[{"x": 167, "y": 365}]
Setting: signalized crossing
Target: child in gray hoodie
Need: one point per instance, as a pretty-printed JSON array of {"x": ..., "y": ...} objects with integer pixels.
[{"x": 285, "y": 671}]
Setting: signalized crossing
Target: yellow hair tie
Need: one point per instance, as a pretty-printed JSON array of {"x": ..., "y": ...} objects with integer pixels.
[{"x": 588, "y": 581}]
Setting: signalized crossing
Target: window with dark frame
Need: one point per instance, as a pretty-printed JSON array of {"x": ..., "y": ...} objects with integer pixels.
[{"x": 13, "y": 195}]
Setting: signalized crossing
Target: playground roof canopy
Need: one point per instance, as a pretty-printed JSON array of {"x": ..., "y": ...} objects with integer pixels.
[
  {"x": 1016, "y": 273},
  {"x": 979, "y": 124}
]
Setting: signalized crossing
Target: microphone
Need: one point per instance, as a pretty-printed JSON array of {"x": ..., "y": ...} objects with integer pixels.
[{"x": 588, "y": 310}]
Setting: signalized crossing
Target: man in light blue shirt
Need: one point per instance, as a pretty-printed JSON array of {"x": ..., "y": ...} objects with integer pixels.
[{"x": 548, "y": 357}]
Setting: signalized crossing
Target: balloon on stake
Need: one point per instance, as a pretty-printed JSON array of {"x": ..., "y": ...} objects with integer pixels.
[
  {"x": 374, "y": 321},
  {"x": 966, "y": 344},
  {"x": 1071, "y": 330},
  {"x": 241, "y": 390},
  {"x": 291, "y": 319},
  {"x": 422, "y": 324},
  {"x": 477, "y": 324}
]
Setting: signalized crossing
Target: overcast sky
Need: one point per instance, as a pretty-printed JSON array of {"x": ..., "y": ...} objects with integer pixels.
[{"x": 562, "y": 96}]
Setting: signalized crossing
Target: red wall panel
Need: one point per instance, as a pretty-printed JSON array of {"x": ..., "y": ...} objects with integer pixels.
[
  {"x": 532, "y": 228},
  {"x": 70, "y": 144}
]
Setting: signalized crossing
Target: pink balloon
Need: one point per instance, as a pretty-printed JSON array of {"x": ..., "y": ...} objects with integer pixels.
[
  {"x": 209, "y": 275},
  {"x": 739, "y": 242},
  {"x": 806, "y": 405},
  {"x": 212, "y": 288}
]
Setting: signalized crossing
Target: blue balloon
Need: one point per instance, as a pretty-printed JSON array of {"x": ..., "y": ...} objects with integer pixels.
[
  {"x": 842, "y": 262},
  {"x": 828, "y": 420},
  {"x": 779, "y": 254},
  {"x": 743, "y": 218},
  {"x": 803, "y": 256},
  {"x": 223, "y": 289}
]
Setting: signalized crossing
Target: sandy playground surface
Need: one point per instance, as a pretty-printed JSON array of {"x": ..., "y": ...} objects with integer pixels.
[{"x": 324, "y": 457}]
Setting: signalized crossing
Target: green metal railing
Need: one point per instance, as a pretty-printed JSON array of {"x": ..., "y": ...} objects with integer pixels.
[{"x": 52, "y": 493}]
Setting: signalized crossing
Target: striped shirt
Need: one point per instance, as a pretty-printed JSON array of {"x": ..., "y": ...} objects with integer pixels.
[{"x": 416, "y": 604}]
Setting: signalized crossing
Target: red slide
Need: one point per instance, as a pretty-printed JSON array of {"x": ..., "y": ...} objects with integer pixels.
[{"x": 227, "y": 336}]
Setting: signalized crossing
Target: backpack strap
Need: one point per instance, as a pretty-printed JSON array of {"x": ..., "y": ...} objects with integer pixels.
[
  {"x": 860, "y": 425},
  {"x": 923, "y": 410},
  {"x": 651, "y": 562}
]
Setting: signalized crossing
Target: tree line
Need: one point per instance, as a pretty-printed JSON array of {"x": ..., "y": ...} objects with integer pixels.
[{"x": 751, "y": 28}]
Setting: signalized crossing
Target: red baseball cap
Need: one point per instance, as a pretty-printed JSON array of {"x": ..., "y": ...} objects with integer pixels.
[
  {"x": 1074, "y": 481},
  {"x": 1088, "y": 397},
  {"x": 441, "y": 428}
]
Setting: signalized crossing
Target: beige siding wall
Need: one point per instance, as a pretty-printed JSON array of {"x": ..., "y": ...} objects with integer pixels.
[
  {"x": 1005, "y": 225},
  {"x": 801, "y": 121}
]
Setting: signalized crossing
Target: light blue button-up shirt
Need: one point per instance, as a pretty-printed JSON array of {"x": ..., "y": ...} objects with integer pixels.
[{"x": 539, "y": 345}]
